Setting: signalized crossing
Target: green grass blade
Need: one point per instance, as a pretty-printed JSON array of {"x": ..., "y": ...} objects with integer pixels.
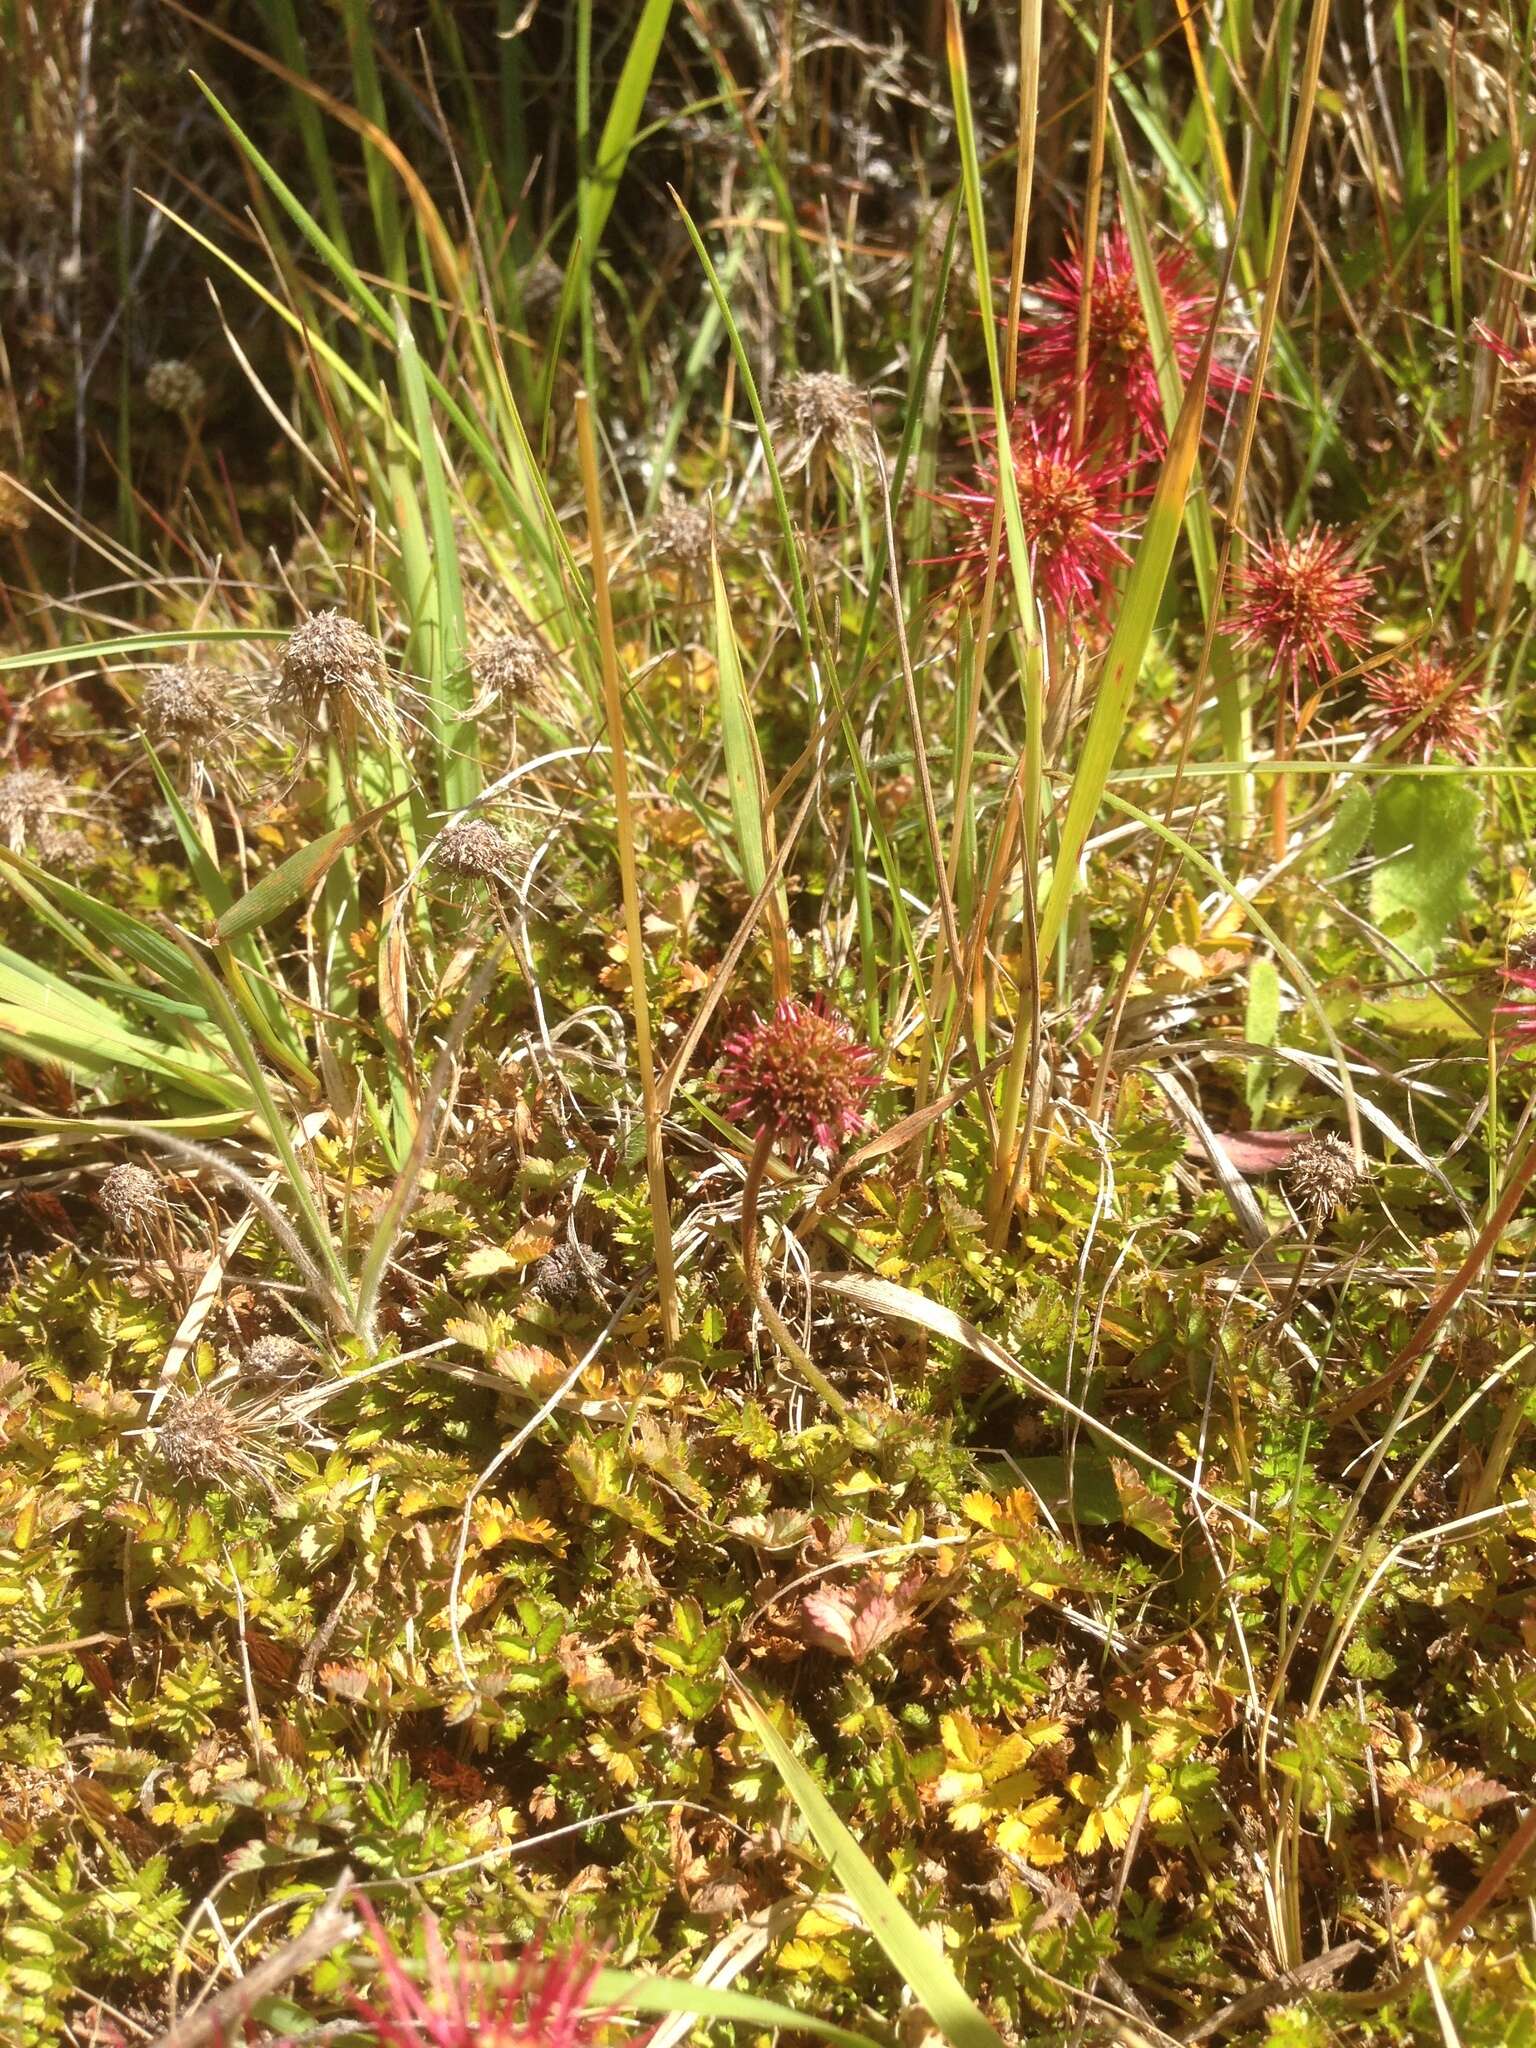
[
  {"x": 634, "y": 1992},
  {"x": 446, "y": 637},
  {"x": 744, "y": 773},
  {"x": 137, "y": 643},
  {"x": 1236, "y": 739},
  {"x": 295, "y": 879},
  {"x": 910, "y": 1952},
  {"x": 1127, "y": 650},
  {"x": 279, "y": 1134}
]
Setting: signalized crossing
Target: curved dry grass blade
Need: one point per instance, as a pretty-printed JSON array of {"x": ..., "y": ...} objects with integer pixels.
[{"x": 885, "y": 1297}]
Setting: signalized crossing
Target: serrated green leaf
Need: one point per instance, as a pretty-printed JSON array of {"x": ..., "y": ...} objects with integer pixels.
[{"x": 1426, "y": 834}]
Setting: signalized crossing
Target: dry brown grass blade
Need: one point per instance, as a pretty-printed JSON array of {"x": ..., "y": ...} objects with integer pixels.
[
  {"x": 1440, "y": 1309},
  {"x": 217, "y": 2021},
  {"x": 440, "y": 241}
]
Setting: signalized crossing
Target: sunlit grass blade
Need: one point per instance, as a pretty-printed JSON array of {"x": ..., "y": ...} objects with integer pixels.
[
  {"x": 296, "y": 878},
  {"x": 632, "y": 1991},
  {"x": 1134, "y": 623},
  {"x": 1236, "y": 739},
  {"x": 744, "y": 776},
  {"x": 445, "y": 637},
  {"x": 916, "y": 1957}
]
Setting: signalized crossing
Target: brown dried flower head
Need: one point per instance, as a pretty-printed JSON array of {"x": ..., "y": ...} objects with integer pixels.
[
  {"x": 570, "y": 1277},
  {"x": 130, "y": 1197},
  {"x": 816, "y": 413},
  {"x": 205, "y": 1439},
  {"x": 514, "y": 669},
  {"x": 542, "y": 283},
  {"x": 679, "y": 534},
  {"x": 1322, "y": 1177},
  {"x": 277, "y": 1357},
  {"x": 31, "y": 802},
  {"x": 15, "y": 508},
  {"x": 331, "y": 662},
  {"x": 187, "y": 706},
  {"x": 476, "y": 850},
  {"x": 175, "y": 386}
]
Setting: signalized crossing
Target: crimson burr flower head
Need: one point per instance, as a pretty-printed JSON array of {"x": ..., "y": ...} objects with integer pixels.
[
  {"x": 1123, "y": 391},
  {"x": 473, "y": 1997},
  {"x": 1517, "y": 1015},
  {"x": 800, "y": 1075},
  {"x": 1302, "y": 599},
  {"x": 1516, "y": 412},
  {"x": 1065, "y": 510},
  {"x": 1429, "y": 690}
]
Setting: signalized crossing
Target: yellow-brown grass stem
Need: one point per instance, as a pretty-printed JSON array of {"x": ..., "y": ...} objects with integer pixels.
[{"x": 613, "y": 706}]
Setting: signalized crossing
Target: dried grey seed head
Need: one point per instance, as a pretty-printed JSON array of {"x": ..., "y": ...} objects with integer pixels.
[
  {"x": 477, "y": 850},
  {"x": 129, "y": 1195},
  {"x": 680, "y": 534},
  {"x": 15, "y": 508},
  {"x": 204, "y": 1437},
  {"x": 570, "y": 1277},
  {"x": 329, "y": 657},
  {"x": 188, "y": 705},
  {"x": 542, "y": 283},
  {"x": 175, "y": 386},
  {"x": 818, "y": 406},
  {"x": 274, "y": 1357},
  {"x": 513, "y": 667},
  {"x": 30, "y": 800},
  {"x": 1321, "y": 1176}
]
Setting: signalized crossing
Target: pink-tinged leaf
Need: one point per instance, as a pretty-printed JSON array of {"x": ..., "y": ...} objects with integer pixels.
[
  {"x": 1254, "y": 1152},
  {"x": 855, "y": 1621}
]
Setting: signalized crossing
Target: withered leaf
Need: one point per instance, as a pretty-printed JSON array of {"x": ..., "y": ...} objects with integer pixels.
[{"x": 856, "y": 1621}]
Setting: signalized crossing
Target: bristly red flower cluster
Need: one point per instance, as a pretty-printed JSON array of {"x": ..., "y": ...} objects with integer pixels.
[
  {"x": 1515, "y": 414},
  {"x": 475, "y": 1998},
  {"x": 1518, "y": 1012},
  {"x": 1123, "y": 395},
  {"x": 1301, "y": 600},
  {"x": 1065, "y": 510},
  {"x": 1429, "y": 690},
  {"x": 799, "y": 1075}
]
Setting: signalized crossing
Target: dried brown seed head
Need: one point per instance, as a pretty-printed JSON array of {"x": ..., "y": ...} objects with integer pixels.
[
  {"x": 277, "y": 1357},
  {"x": 513, "y": 668},
  {"x": 130, "y": 1196},
  {"x": 477, "y": 850},
  {"x": 331, "y": 661},
  {"x": 679, "y": 534},
  {"x": 204, "y": 1438},
  {"x": 15, "y": 507},
  {"x": 570, "y": 1277},
  {"x": 175, "y": 386},
  {"x": 1322, "y": 1177},
  {"x": 542, "y": 283},
  {"x": 819, "y": 405},
  {"x": 187, "y": 706},
  {"x": 31, "y": 800}
]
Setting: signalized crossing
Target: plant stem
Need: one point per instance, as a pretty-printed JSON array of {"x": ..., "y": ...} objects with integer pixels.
[
  {"x": 655, "y": 1165},
  {"x": 778, "y": 1329}
]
